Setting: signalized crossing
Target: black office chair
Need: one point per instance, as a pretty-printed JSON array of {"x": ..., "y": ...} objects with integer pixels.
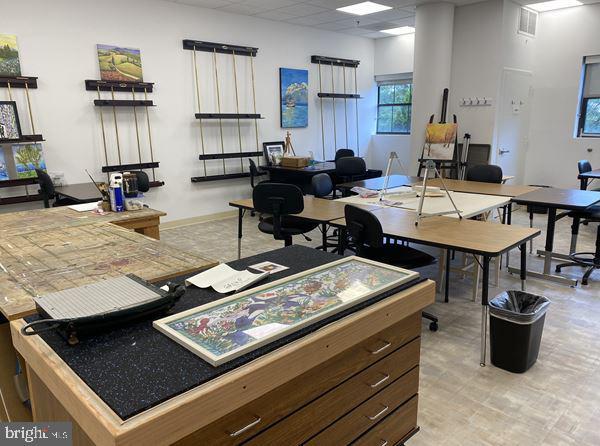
[
  {"x": 366, "y": 236},
  {"x": 143, "y": 182},
  {"x": 584, "y": 166},
  {"x": 254, "y": 173},
  {"x": 343, "y": 153},
  {"x": 48, "y": 193},
  {"x": 321, "y": 185},
  {"x": 485, "y": 173},
  {"x": 591, "y": 260},
  {"x": 281, "y": 201}
]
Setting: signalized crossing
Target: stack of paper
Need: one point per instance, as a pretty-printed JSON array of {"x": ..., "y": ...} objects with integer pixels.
[{"x": 224, "y": 279}]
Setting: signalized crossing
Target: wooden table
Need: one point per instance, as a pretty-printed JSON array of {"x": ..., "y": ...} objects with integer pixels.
[
  {"x": 477, "y": 187},
  {"x": 469, "y": 205},
  {"x": 554, "y": 199},
  {"x": 53, "y": 249},
  {"x": 328, "y": 387},
  {"x": 378, "y": 183},
  {"x": 470, "y": 236},
  {"x": 584, "y": 178},
  {"x": 315, "y": 209},
  {"x": 82, "y": 192}
]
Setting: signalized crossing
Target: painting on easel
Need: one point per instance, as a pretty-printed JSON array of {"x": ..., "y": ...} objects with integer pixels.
[
  {"x": 119, "y": 63},
  {"x": 9, "y": 56},
  {"x": 440, "y": 140},
  {"x": 294, "y": 97},
  {"x": 28, "y": 157},
  {"x": 3, "y": 167}
]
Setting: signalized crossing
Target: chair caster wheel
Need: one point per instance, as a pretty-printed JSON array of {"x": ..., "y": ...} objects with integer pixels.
[{"x": 433, "y": 326}]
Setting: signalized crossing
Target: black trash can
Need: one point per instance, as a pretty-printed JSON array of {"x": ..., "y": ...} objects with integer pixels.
[{"x": 516, "y": 325}]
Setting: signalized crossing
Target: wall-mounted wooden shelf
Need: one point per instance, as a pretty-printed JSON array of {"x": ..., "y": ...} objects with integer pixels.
[
  {"x": 228, "y": 116},
  {"x": 139, "y": 87},
  {"x": 227, "y": 176},
  {"x": 324, "y": 60},
  {"x": 18, "y": 182},
  {"x": 122, "y": 103},
  {"x": 223, "y": 48},
  {"x": 230, "y": 155},
  {"x": 18, "y": 82},
  {"x": 24, "y": 139},
  {"x": 133, "y": 166},
  {"x": 339, "y": 96}
]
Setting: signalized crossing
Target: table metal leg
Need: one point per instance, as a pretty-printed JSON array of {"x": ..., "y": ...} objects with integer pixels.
[
  {"x": 324, "y": 233},
  {"x": 531, "y": 226},
  {"x": 523, "y": 249},
  {"x": 549, "y": 240},
  {"x": 240, "y": 217},
  {"x": 583, "y": 183},
  {"x": 447, "y": 275},
  {"x": 341, "y": 241},
  {"x": 508, "y": 222},
  {"x": 484, "y": 308}
]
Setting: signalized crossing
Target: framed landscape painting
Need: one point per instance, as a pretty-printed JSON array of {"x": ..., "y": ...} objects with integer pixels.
[
  {"x": 230, "y": 327},
  {"x": 119, "y": 63},
  {"x": 294, "y": 97},
  {"x": 28, "y": 157},
  {"x": 10, "y": 127},
  {"x": 9, "y": 56},
  {"x": 440, "y": 141}
]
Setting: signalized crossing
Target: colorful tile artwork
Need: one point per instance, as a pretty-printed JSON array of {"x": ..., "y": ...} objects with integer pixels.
[{"x": 218, "y": 331}]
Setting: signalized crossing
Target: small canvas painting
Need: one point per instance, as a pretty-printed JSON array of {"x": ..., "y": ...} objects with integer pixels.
[
  {"x": 119, "y": 63},
  {"x": 229, "y": 327},
  {"x": 10, "y": 128},
  {"x": 440, "y": 141},
  {"x": 9, "y": 56},
  {"x": 294, "y": 97},
  {"x": 3, "y": 167},
  {"x": 28, "y": 157}
]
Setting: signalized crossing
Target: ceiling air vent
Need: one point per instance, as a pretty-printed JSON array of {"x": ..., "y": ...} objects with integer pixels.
[{"x": 527, "y": 22}]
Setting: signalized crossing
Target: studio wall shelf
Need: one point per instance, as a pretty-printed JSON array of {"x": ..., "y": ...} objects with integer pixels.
[
  {"x": 221, "y": 154},
  {"x": 342, "y": 64},
  {"x": 134, "y": 103},
  {"x": 25, "y": 83}
]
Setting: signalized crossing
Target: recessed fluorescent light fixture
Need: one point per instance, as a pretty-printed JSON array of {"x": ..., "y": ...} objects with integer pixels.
[
  {"x": 399, "y": 31},
  {"x": 364, "y": 8},
  {"x": 554, "y": 4}
]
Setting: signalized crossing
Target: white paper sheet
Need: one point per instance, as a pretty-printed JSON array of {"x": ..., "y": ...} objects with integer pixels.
[
  {"x": 225, "y": 279},
  {"x": 84, "y": 207}
]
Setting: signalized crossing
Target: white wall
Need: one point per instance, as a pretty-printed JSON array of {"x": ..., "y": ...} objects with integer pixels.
[
  {"x": 393, "y": 55},
  {"x": 476, "y": 64},
  {"x": 57, "y": 43},
  {"x": 564, "y": 37}
]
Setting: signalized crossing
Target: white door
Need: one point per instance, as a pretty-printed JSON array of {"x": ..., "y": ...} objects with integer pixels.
[{"x": 512, "y": 132}]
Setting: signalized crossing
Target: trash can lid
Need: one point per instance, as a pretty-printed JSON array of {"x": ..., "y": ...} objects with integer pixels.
[{"x": 518, "y": 306}]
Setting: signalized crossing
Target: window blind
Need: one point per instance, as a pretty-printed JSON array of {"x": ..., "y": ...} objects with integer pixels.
[
  {"x": 399, "y": 78},
  {"x": 591, "y": 86}
]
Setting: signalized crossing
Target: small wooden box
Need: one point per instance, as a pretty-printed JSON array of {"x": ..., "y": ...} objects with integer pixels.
[{"x": 294, "y": 161}]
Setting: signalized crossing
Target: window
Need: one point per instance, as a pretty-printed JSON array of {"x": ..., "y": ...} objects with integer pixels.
[
  {"x": 589, "y": 111},
  {"x": 394, "y": 105}
]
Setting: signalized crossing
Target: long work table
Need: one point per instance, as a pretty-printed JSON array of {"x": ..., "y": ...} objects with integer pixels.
[
  {"x": 350, "y": 378},
  {"x": 470, "y": 236},
  {"x": 54, "y": 249}
]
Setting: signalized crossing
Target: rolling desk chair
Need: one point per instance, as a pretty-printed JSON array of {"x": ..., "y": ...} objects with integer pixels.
[
  {"x": 591, "y": 260},
  {"x": 343, "y": 153},
  {"x": 584, "y": 166},
  {"x": 254, "y": 173},
  {"x": 322, "y": 187},
  {"x": 48, "y": 193},
  {"x": 366, "y": 235},
  {"x": 281, "y": 201},
  {"x": 485, "y": 173},
  {"x": 143, "y": 182}
]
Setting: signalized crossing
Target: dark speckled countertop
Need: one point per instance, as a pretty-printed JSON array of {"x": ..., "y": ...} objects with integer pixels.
[{"x": 135, "y": 368}]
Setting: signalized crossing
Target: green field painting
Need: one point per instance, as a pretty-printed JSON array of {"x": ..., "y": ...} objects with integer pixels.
[{"x": 119, "y": 63}]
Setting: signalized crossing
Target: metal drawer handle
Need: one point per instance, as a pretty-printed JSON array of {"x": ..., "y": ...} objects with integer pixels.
[
  {"x": 384, "y": 442},
  {"x": 378, "y": 414},
  {"x": 379, "y": 350},
  {"x": 244, "y": 429},
  {"x": 381, "y": 381}
]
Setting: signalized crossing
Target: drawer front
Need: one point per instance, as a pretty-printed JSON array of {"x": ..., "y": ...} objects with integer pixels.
[
  {"x": 242, "y": 424},
  {"x": 371, "y": 412},
  {"x": 311, "y": 419},
  {"x": 392, "y": 428}
]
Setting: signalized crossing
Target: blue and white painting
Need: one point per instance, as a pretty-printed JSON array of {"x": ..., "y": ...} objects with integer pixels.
[
  {"x": 3, "y": 167},
  {"x": 294, "y": 97}
]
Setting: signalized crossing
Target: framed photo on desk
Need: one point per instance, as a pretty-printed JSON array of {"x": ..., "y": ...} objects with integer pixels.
[
  {"x": 233, "y": 326},
  {"x": 273, "y": 152}
]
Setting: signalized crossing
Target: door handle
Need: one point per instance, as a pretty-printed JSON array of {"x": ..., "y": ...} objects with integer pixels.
[{"x": 503, "y": 151}]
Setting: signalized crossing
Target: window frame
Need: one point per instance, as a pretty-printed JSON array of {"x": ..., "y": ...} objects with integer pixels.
[
  {"x": 582, "y": 116},
  {"x": 402, "y": 104}
]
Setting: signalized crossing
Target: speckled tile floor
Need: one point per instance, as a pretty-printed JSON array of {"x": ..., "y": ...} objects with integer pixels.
[{"x": 556, "y": 402}]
